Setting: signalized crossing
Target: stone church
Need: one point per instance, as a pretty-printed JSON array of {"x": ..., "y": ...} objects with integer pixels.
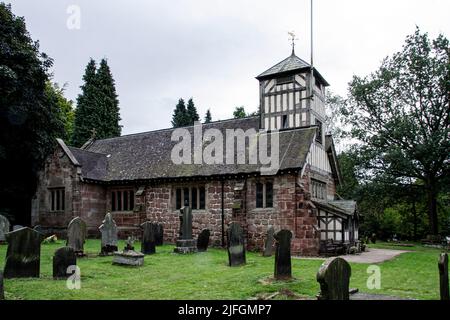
[{"x": 134, "y": 178}]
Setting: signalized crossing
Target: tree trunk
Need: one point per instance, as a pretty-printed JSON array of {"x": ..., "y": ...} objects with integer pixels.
[{"x": 432, "y": 208}]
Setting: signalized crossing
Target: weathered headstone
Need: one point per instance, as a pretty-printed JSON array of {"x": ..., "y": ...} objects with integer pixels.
[
  {"x": 4, "y": 227},
  {"x": 17, "y": 227},
  {"x": 129, "y": 244},
  {"x": 2, "y": 289},
  {"x": 159, "y": 236},
  {"x": 443, "y": 276},
  {"x": 128, "y": 258},
  {"x": 235, "y": 245},
  {"x": 203, "y": 240},
  {"x": 108, "y": 230},
  {"x": 23, "y": 255},
  {"x": 148, "y": 238},
  {"x": 185, "y": 242},
  {"x": 76, "y": 235},
  {"x": 283, "y": 269},
  {"x": 334, "y": 278},
  {"x": 63, "y": 259},
  {"x": 268, "y": 244}
]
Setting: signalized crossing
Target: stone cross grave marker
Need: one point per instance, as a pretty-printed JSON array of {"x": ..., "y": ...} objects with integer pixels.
[
  {"x": 443, "y": 276},
  {"x": 235, "y": 245},
  {"x": 283, "y": 269},
  {"x": 108, "y": 230},
  {"x": 334, "y": 278},
  {"x": 23, "y": 256},
  {"x": 4, "y": 227},
  {"x": 62, "y": 259},
  {"x": 76, "y": 235},
  {"x": 148, "y": 238},
  {"x": 203, "y": 240},
  {"x": 185, "y": 242},
  {"x": 268, "y": 243}
]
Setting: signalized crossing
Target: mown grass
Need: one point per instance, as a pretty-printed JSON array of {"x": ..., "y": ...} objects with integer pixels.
[{"x": 166, "y": 275}]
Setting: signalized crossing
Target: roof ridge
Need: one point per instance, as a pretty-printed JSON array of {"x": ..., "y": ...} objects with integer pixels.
[
  {"x": 168, "y": 129},
  {"x": 84, "y": 150}
]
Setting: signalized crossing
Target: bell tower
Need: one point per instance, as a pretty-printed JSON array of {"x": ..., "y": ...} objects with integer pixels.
[{"x": 292, "y": 95}]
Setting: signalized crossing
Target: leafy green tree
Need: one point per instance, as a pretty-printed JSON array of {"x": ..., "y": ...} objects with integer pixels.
[
  {"x": 67, "y": 114},
  {"x": 192, "y": 112},
  {"x": 208, "y": 117},
  {"x": 180, "y": 117},
  {"x": 400, "y": 114},
  {"x": 239, "y": 113},
  {"x": 29, "y": 117}
]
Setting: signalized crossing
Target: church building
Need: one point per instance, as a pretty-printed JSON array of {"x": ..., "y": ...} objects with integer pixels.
[{"x": 134, "y": 177}]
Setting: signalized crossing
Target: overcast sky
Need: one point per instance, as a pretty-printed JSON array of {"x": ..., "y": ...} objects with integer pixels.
[{"x": 212, "y": 50}]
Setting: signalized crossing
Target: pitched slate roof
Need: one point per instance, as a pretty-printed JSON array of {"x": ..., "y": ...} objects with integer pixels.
[
  {"x": 147, "y": 155},
  {"x": 289, "y": 65},
  {"x": 342, "y": 207}
]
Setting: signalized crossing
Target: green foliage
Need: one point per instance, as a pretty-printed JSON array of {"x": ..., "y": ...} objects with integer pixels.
[
  {"x": 97, "y": 106},
  {"x": 67, "y": 114},
  {"x": 185, "y": 116},
  {"x": 239, "y": 113},
  {"x": 400, "y": 114},
  {"x": 208, "y": 117},
  {"x": 192, "y": 112},
  {"x": 29, "y": 117}
]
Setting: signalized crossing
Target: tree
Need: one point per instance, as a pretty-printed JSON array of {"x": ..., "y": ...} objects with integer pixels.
[
  {"x": 87, "y": 117},
  {"x": 67, "y": 115},
  {"x": 400, "y": 114},
  {"x": 208, "y": 117},
  {"x": 97, "y": 105},
  {"x": 29, "y": 116},
  {"x": 107, "y": 103},
  {"x": 180, "y": 117},
  {"x": 239, "y": 113},
  {"x": 192, "y": 112}
]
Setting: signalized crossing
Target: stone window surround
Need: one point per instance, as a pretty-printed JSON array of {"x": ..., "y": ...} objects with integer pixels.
[
  {"x": 52, "y": 199},
  {"x": 122, "y": 189},
  {"x": 190, "y": 186},
  {"x": 264, "y": 182},
  {"x": 323, "y": 185}
]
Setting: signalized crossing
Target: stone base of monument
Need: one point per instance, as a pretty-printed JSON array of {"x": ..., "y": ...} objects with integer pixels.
[
  {"x": 128, "y": 258},
  {"x": 108, "y": 250},
  {"x": 186, "y": 246}
]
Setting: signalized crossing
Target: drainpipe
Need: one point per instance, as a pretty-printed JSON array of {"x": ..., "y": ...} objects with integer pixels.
[{"x": 223, "y": 215}]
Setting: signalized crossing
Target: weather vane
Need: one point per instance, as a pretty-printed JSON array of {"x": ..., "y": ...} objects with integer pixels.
[{"x": 292, "y": 39}]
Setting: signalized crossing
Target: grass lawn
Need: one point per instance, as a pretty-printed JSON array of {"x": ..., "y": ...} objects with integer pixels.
[{"x": 207, "y": 276}]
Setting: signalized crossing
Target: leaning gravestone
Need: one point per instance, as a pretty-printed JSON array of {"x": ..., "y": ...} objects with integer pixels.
[
  {"x": 23, "y": 255},
  {"x": 148, "y": 238},
  {"x": 334, "y": 278},
  {"x": 268, "y": 244},
  {"x": 63, "y": 259},
  {"x": 236, "y": 245},
  {"x": 2, "y": 289},
  {"x": 203, "y": 240},
  {"x": 76, "y": 235},
  {"x": 185, "y": 242},
  {"x": 4, "y": 227},
  {"x": 108, "y": 230},
  {"x": 443, "y": 276},
  {"x": 159, "y": 235},
  {"x": 283, "y": 269}
]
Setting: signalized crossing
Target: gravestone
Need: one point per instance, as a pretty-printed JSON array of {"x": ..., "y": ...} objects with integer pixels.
[
  {"x": 63, "y": 259},
  {"x": 185, "y": 242},
  {"x": 159, "y": 235},
  {"x": 443, "y": 276},
  {"x": 4, "y": 227},
  {"x": 235, "y": 245},
  {"x": 129, "y": 244},
  {"x": 283, "y": 269},
  {"x": 108, "y": 230},
  {"x": 203, "y": 240},
  {"x": 23, "y": 255},
  {"x": 148, "y": 238},
  {"x": 334, "y": 278},
  {"x": 76, "y": 235},
  {"x": 39, "y": 229},
  {"x": 268, "y": 244},
  {"x": 17, "y": 227},
  {"x": 2, "y": 289},
  {"x": 128, "y": 258}
]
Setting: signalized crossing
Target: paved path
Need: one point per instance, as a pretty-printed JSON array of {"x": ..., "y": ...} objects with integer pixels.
[{"x": 374, "y": 256}]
